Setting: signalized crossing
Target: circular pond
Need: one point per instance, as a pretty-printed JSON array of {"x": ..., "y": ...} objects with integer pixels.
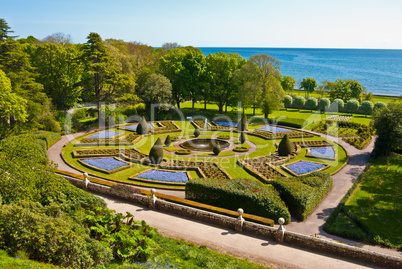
[{"x": 204, "y": 144}]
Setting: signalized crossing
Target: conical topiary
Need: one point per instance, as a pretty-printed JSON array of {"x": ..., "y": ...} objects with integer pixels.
[
  {"x": 217, "y": 149},
  {"x": 156, "y": 152},
  {"x": 197, "y": 132},
  {"x": 242, "y": 126},
  {"x": 242, "y": 138},
  {"x": 285, "y": 146},
  {"x": 142, "y": 127},
  {"x": 168, "y": 141}
]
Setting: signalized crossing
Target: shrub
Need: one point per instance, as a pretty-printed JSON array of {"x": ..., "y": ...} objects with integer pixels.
[
  {"x": 242, "y": 125},
  {"x": 254, "y": 198},
  {"x": 324, "y": 103},
  {"x": 302, "y": 194},
  {"x": 197, "y": 132},
  {"x": 299, "y": 101},
  {"x": 352, "y": 105},
  {"x": 337, "y": 104},
  {"x": 156, "y": 152},
  {"x": 168, "y": 141},
  {"x": 285, "y": 146},
  {"x": 142, "y": 127},
  {"x": 379, "y": 105},
  {"x": 217, "y": 149},
  {"x": 183, "y": 151},
  {"x": 367, "y": 107},
  {"x": 242, "y": 138},
  {"x": 287, "y": 101},
  {"x": 312, "y": 103},
  {"x": 129, "y": 110}
]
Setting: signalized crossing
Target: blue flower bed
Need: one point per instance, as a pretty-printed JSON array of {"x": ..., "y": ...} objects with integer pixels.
[
  {"x": 304, "y": 167},
  {"x": 107, "y": 164},
  {"x": 274, "y": 129},
  {"x": 327, "y": 152},
  {"x": 167, "y": 176},
  {"x": 227, "y": 123},
  {"x": 104, "y": 134},
  {"x": 134, "y": 126}
]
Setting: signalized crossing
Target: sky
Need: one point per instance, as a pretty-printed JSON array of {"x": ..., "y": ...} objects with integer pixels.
[{"x": 372, "y": 24}]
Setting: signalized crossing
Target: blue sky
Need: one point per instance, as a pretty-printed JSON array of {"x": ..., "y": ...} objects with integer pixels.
[{"x": 218, "y": 23}]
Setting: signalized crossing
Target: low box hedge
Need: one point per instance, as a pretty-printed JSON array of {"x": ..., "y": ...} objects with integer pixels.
[
  {"x": 253, "y": 197},
  {"x": 302, "y": 194}
]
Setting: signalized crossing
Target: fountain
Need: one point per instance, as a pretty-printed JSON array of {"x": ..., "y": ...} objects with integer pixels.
[
  {"x": 205, "y": 124},
  {"x": 204, "y": 144}
]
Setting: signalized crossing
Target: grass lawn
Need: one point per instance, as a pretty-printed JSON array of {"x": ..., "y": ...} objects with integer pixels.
[{"x": 377, "y": 202}]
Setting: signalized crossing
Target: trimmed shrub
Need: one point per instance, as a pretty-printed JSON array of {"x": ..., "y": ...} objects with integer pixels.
[
  {"x": 142, "y": 127},
  {"x": 299, "y": 101},
  {"x": 302, "y": 194},
  {"x": 242, "y": 138},
  {"x": 156, "y": 152},
  {"x": 197, "y": 132},
  {"x": 324, "y": 103},
  {"x": 287, "y": 101},
  {"x": 352, "y": 105},
  {"x": 168, "y": 141},
  {"x": 367, "y": 107},
  {"x": 217, "y": 149},
  {"x": 242, "y": 125},
  {"x": 379, "y": 105},
  {"x": 285, "y": 146},
  {"x": 337, "y": 104},
  {"x": 312, "y": 103},
  {"x": 254, "y": 198}
]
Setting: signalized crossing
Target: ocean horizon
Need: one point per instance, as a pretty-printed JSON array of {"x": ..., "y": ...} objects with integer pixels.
[{"x": 378, "y": 70}]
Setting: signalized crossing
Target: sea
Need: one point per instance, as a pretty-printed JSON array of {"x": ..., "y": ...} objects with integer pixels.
[{"x": 378, "y": 70}]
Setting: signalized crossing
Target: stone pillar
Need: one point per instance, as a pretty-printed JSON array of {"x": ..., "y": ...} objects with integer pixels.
[
  {"x": 240, "y": 221},
  {"x": 86, "y": 180},
  {"x": 280, "y": 233},
  {"x": 152, "y": 199}
]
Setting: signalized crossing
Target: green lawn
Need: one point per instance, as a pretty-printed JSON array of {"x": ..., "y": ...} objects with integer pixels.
[{"x": 377, "y": 202}]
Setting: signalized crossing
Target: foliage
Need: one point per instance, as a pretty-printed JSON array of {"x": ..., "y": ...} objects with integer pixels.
[
  {"x": 168, "y": 141},
  {"x": 157, "y": 91},
  {"x": 142, "y": 127},
  {"x": 242, "y": 138},
  {"x": 308, "y": 84},
  {"x": 379, "y": 105},
  {"x": 20, "y": 261},
  {"x": 217, "y": 149},
  {"x": 287, "y": 101},
  {"x": 324, "y": 103},
  {"x": 299, "y": 101},
  {"x": 242, "y": 125},
  {"x": 254, "y": 198},
  {"x": 285, "y": 147},
  {"x": 337, "y": 104},
  {"x": 156, "y": 152},
  {"x": 352, "y": 105},
  {"x": 197, "y": 132},
  {"x": 367, "y": 106},
  {"x": 272, "y": 96},
  {"x": 312, "y": 103},
  {"x": 388, "y": 125},
  {"x": 302, "y": 194},
  {"x": 346, "y": 90},
  {"x": 288, "y": 83}
]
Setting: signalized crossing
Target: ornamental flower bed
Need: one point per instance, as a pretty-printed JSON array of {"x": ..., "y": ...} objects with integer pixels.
[
  {"x": 227, "y": 123},
  {"x": 133, "y": 127},
  {"x": 272, "y": 135},
  {"x": 338, "y": 118},
  {"x": 105, "y": 134},
  {"x": 107, "y": 165},
  {"x": 302, "y": 168},
  {"x": 274, "y": 129},
  {"x": 323, "y": 153},
  {"x": 164, "y": 176}
]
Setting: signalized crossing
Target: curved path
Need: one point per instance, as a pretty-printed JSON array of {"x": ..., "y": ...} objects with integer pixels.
[{"x": 254, "y": 248}]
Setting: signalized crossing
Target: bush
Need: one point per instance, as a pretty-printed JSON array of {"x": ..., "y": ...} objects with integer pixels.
[
  {"x": 129, "y": 110},
  {"x": 287, "y": 101},
  {"x": 254, "y": 198},
  {"x": 324, "y": 103},
  {"x": 352, "y": 105},
  {"x": 142, "y": 127},
  {"x": 312, "y": 103},
  {"x": 156, "y": 152},
  {"x": 379, "y": 105},
  {"x": 367, "y": 107},
  {"x": 242, "y": 138},
  {"x": 168, "y": 141},
  {"x": 302, "y": 194},
  {"x": 337, "y": 104},
  {"x": 197, "y": 132},
  {"x": 285, "y": 147},
  {"x": 217, "y": 149},
  {"x": 242, "y": 125},
  {"x": 299, "y": 101}
]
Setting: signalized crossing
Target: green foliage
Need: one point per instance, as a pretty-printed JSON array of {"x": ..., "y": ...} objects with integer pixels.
[
  {"x": 299, "y": 101},
  {"x": 217, "y": 149},
  {"x": 288, "y": 83},
  {"x": 197, "y": 132},
  {"x": 157, "y": 91},
  {"x": 168, "y": 141},
  {"x": 345, "y": 89},
  {"x": 242, "y": 138},
  {"x": 242, "y": 125},
  {"x": 379, "y": 105},
  {"x": 156, "y": 152},
  {"x": 20, "y": 261},
  {"x": 287, "y": 101},
  {"x": 324, "y": 103},
  {"x": 302, "y": 194},
  {"x": 142, "y": 127},
  {"x": 337, "y": 104},
  {"x": 254, "y": 198},
  {"x": 285, "y": 147},
  {"x": 352, "y": 105},
  {"x": 367, "y": 106},
  {"x": 312, "y": 102},
  {"x": 308, "y": 84}
]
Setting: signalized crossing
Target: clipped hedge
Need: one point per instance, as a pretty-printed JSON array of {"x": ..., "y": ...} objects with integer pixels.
[
  {"x": 302, "y": 194},
  {"x": 254, "y": 198}
]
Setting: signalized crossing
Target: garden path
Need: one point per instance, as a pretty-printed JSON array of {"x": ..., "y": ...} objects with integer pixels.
[{"x": 255, "y": 248}]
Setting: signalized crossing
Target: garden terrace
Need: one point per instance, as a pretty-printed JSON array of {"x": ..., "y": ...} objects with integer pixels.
[
  {"x": 200, "y": 124},
  {"x": 100, "y": 152},
  {"x": 310, "y": 143},
  {"x": 206, "y": 169},
  {"x": 166, "y": 127},
  {"x": 133, "y": 127},
  {"x": 270, "y": 135}
]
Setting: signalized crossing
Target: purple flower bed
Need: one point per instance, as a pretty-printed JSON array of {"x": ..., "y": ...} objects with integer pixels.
[
  {"x": 327, "y": 152},
  {"x": 107, "y": 164},
  {"x": 134, "y": 126},
  {"x": 227, "y": 123},
  {"x": 304, "y": 167},
  {"x": 274, "y": 129},
  {"x": 167, "y": 176},
  {"x": 104, "y": 134}
]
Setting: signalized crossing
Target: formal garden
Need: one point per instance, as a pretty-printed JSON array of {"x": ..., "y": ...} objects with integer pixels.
[{"x": 275, "y": 162}]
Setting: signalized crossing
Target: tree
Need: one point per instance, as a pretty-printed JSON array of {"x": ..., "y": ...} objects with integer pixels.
[
  {"x": 168, "y": 141},
  {"x": 157, "y": 91},
  {"x": 346, "y": 89},
  {"x": 337, "y": 105},
  {"x": 388, "y": 125},
  {"x": 287, "y": 101},
  {"x": 324, "y": 103},
  {"x": 288, "y": 83},
  {"x": 367, "y": 107},
  {"x": 309, "y": 85},
  {"x": 142, "y": 127},
  {"x": 5, "y": 30},
  {"x": 242, "y": 138},
  {"x": 58, "y": 39},
  {"x": 197, "y": 132},
  {"x": 216, "y": 149},
  {"x": 299, "y": 101},
  {"x": 352, "y": 105},
  {"x": 242, "y": 125},
  {"x": 273, "y": 96},
  {"x": 285, "y": 147},
  {"x": 248, "y": 81},
  {"x": 156, "y": 152},
  {"x": 379, "y": 105},
  {"x": 171, "y": 45},
  {"x": 220, "y": 70},
  {"x": 312, "y": 103}
]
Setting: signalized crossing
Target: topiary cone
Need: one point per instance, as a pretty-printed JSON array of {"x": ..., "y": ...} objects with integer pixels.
[
  {"x": 242, "y": 126},
  {"x": 217, "y": 149},
  {"x": 197, "y": 132},
  {"x": 142, "y": 127},
  {"x": 285, "y": 146},
  {"x": 242, "y": 138},
  {"x": 156, "y": 152},
  {"x": 168, "y": 141}
]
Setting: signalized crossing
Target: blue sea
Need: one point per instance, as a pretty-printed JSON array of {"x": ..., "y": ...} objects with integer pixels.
[{"x": 379, "y": 71}]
